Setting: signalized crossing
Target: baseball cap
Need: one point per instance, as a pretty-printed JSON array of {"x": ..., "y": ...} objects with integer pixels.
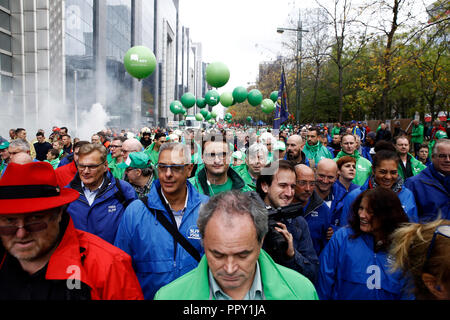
[
  {"x": 3, "y": 144},
  {"x": 138, "y": 160}
]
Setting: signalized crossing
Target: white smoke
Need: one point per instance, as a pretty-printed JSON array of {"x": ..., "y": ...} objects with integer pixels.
[{"x": 91, "y": 121}]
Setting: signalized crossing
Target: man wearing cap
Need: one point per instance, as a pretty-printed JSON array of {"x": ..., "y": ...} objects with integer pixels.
[
  {"x": 103, "y": 198},
  {"x": 4, "y": 155},
  {"x": 157, "y": 257},
  {"x": 139, "y": 171},
  {"x": 43, "y": 256}
]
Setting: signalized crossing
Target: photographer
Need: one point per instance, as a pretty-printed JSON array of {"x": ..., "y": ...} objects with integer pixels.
[{"x": 277, "y": 190}]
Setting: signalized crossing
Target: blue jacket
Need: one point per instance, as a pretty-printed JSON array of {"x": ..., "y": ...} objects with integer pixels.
[
  {"x": 432, "y": 193},
  {"x": 351, "y": 270},
  {"x": 405, "y": 195},
  {"x": 365, "y": 152},
  {"x": 151, "y": 246},
  {"x": 337, "y": 205},
  {"x": 103, "y": 216},
  {"x": 317, "y": 214}
]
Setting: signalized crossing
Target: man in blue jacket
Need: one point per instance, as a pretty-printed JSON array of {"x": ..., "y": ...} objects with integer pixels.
[
  {"x": 431, "y": 187},
  {"x": 156, "y": 256},
  {"x": 103, "y": 198}
]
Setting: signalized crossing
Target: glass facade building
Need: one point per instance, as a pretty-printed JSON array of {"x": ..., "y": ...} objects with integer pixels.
[{"x": 5, "y": 48}]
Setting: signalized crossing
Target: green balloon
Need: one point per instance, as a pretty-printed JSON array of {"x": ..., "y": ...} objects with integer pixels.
[
  {"x": 204, "y": 113},
  {"x": 217, "y": 74},
  {"x": 188, "y": 100},
  {"x": 140, "y": 62},
  {"x": 228, "y": 116},
  {"x": 255, "y": 97},
  {"x": 211, "y": 121},
  {"x": 208, "y": 116},
  {"x": 267, "y": 106},
  {"x": 240, "y": 94},
  {"x": 226, "y": 99},
  {"x": 274, "y": 96},
  {"x": 201, "y": 102},
  {"x": 249, "y": 119},
  {"x": 199, "y": 117},
  {"x": 213, "y": 114},
  {"x": 176, "y": 107},
  {"x": 212, "y": 98}
]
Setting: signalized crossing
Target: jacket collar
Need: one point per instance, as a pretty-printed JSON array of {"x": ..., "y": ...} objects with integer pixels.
[
  {"x": 314, "y": 202},
  {"x": 237, "y": 181}
]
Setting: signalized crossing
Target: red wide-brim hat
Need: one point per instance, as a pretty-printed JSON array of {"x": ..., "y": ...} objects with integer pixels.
[{"x": 32, "y": 187}]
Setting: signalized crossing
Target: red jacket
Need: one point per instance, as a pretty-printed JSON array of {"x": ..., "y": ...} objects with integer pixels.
[{"x": 106, "y": 269}]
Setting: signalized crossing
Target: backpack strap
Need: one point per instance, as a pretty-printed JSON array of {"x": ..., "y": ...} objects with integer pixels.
[{"x": 120, "y": 196}]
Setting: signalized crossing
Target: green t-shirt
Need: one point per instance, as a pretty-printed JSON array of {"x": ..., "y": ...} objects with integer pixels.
[{"x": 218, "y": 188}]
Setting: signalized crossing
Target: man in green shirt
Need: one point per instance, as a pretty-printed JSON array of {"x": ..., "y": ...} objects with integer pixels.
[
  {"x": 153, "y": 149},
  {"x": 417, "y": 136},
  {"x": 232, "y": 226},
  {"x": 216, "y": 175},
  {"x": 255, "y": 161},
  {"x": 363, "y": 166},
  {"x": 408, "y": 166},
  {"x": 116, "y": 157},
  {"x": 313, "y": 149}
]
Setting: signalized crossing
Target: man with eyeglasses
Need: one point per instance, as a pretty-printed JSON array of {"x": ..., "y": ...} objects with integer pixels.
[
  {"x": 103, "y": 198},
  {"x": 217, "y": 176},
  {"x": 116, "y": 157},
  {"x": 43, "y": 256},
  {"x": 277, "y": 190},
  {"x": 315, "y": 212},
  {"x": 158, "y": 256},
  {"x": 139, "y": 171},
  {"x": 431, "y": 187}
]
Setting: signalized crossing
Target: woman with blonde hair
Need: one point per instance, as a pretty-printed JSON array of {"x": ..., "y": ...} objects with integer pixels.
[{"x": 422, "y": 253}]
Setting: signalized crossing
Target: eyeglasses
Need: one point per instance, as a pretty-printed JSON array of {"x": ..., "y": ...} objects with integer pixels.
[
  {"x": 113, "y": 146},
  {"x": 213, "y": 155},
  {"x": 303, "y": 183},
  {"x": 175, "y": 168},
  {"x": 89, "y": 166},
  {"x": 443, "y": 230},
  {"x": 31, "y": 227},
  {"x": 444, "y": 156}
]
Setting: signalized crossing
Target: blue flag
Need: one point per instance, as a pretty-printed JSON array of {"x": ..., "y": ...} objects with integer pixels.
[{"x": 281, "y": 108}]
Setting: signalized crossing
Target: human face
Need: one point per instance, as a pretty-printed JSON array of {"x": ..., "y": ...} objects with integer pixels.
[
  {"x": 326, "y": 177},
  {"x": 127, "y": 148},
  {"x": 95, "y": 139},
  {"x": 293, "y": 148},
  {"x": 402, "y": 146},
  {"x": 173, "y": 180},
  {"x": 40, "y": 139},
  {"x": 348, "y": 144},
  {"x": 22, "y": 135},
  {"x": 348, "y": 171},
  {"x": 91, "y": 177},
  {"x": 336, "y": 139},
  {"x": 215, "y": 157},
  {"x": 256, "y": 163},
  {"x": 32, "y": 246},
  {"x": 423, "y": 154},
  {"x": 386, "y": 173},
  {"x": 367, "y": 222},
  {"x": 4, "y": 154},
  {"x": 305, "y": 185},
  {"x": 116, "y": 148},
  {"x": 160, "y": 141},
  {"x": 66, "y": 141},
  {"x": 312, "y": 137},
  {"x": 441, "y": 160},
  {"x": 232, "y": 249},
  {"x": 13, "y": 150},
  {"x": 281, "y": 192},
  {"x": 50, "y": 156},
  {"x": 133, "y": 175}
]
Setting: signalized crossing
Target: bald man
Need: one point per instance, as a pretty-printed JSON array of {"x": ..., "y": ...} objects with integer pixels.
[
  {"x": 316, "y": 212},
  {"x": 294, "y": 150},
  {"x": 21, "y": 158},
  {"x": 131, "y": 145},
  {"x": 326, "y": 176}
]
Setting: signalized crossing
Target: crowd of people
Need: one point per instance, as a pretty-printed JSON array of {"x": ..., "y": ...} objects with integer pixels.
[{"x": 304, "y": 212}]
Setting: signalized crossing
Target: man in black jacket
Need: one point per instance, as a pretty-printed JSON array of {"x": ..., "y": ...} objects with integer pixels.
[{"x": 41, "y": 146}]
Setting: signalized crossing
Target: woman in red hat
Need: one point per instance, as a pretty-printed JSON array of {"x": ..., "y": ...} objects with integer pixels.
[{"x": 43, "y": 256}]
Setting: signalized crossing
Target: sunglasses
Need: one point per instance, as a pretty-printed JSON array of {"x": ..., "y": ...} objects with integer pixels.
[
  {"x": 31, "y": 227},
  {"x": 443, "y": 230}
]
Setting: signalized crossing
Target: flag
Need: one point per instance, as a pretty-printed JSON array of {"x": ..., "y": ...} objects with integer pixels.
[{"x": 281, "y": 108}]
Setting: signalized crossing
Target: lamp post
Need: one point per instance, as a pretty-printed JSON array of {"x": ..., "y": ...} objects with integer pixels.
[{"x": 299, "y": 31}]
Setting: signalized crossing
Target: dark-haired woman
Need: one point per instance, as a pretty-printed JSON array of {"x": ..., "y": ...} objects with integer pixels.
[
  {"x": 385, "y": 175},
  {"x": 354, "y": 264}
]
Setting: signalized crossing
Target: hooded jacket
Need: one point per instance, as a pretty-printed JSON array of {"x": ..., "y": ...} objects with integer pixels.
[
  {"x": 102, "y": 218},
  {"x": 105, "y": 269},
  {"x": 151, "y": 246},
  {"x": 316, "y": 153},
  {"x": 200, "y": 182},
  {"x": 337, "y": 205},
  {"x": 417, "y": 134},
  {"x": 242, "y": 171},
  {"x": 350, "y": 269},
  {"x": 411, "y": 163},
  {"x": 279, "y": 283},
  {"x": 363, "y": 167},
  {"x": 432, "y": 192},
  {"x": 405, "y": 195}
]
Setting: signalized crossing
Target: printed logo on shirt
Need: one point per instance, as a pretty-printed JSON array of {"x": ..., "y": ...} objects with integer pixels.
[
  {"x": 112, "y": 208},
  {"x": 360, "y": 167},
  {"x": 314, "y": 214},
  {"x": 193, "y": 233}
]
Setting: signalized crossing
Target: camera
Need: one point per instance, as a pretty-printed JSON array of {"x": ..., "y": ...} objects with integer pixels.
[{"x": 274, "y": 243}]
